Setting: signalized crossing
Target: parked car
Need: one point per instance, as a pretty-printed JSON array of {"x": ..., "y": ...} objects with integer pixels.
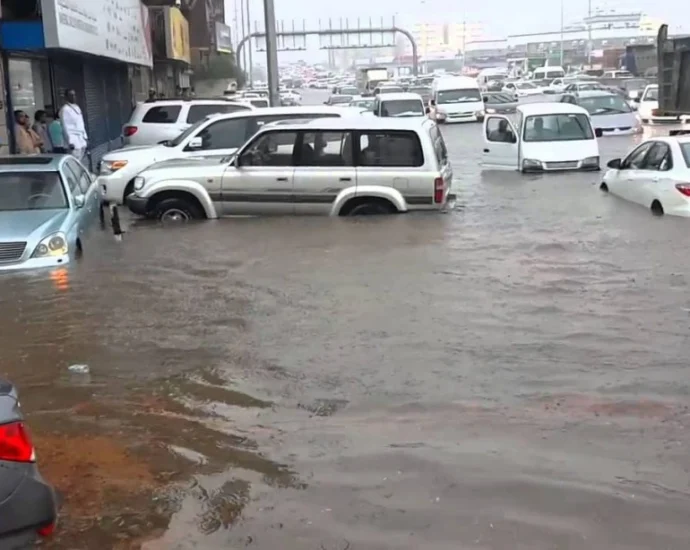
[
  {"x": 546, "y": 137},
  {"x": 655, "y": 174},
  {"x": 366, "y": 103},
  {"x": 608, "y": 111},
  {"x": 28, "y": 507},
  {"x": 214, "y": 135},
  {"x": 499, "y": 103},
  {"x": 48, "y": 205},
  {"x": 404, "y": 104},
  {"x": 333, "y": 166},
  {"x": 161, "y": 120},
  {"x": 337, "y": 99}
]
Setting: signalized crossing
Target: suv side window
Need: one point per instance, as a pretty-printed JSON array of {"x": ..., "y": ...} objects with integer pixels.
[
  {"x": 659, "y": 157},
  {"x": 83, "y": 178},
  {"x": 197, "y": 112},
  {"x": 230, "y": 133},
  {"x": 270, "y": 149},
  {"x": 390, "y": 148},
  {"x": 326, "y": 149},
  {"x": 162, "y": 114}
]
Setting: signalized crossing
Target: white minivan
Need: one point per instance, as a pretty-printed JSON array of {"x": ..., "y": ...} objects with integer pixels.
[
  {"x": 545, "y": 137},
  {"x": 458, "y": 99},
  {"x": 399, "y": 105}
]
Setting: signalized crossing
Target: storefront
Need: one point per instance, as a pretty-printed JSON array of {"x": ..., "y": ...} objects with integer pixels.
[
  {"x": 91, "y": 51},
  {"x": 171, "y": 53}
]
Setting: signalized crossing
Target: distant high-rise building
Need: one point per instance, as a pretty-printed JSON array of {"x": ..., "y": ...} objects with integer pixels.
[{"x": 444, "y": 39}]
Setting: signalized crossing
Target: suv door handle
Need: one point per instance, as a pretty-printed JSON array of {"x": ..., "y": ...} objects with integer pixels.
[
  {"x": 281, "y": 179},
  {"x": 486, "y": 151},
  {"x": 345, "y": 179}
]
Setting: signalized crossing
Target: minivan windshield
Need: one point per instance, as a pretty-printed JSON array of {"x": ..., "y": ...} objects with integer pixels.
[
  {"x": 458, "y": 96},
  {"x": 604, "y": 105},
  {"x": 402, "y": 107},
  {"x": 562, "y": 127}
]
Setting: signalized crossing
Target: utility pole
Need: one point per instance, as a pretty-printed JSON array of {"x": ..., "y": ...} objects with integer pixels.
[
  {"x": 249, "y": 46},
  {"x": 561, "y": 63},
  {"x": 589, "y": 33},
  {"x": 238, "y": 37},
  {"x": 244, "y": 33},
  {"x": 271, "y": 53}
]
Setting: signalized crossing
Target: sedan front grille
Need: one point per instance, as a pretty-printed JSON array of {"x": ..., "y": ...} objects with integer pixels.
[
  {"x": 11, "y": 252},
  {"x": 560, "y": 165}
]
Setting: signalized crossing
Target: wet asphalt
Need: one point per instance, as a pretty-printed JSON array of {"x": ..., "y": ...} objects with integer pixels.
[{"x": 509, "y": 375}]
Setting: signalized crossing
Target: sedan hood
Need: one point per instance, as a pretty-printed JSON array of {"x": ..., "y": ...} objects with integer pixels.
[{"x": 21, "y": 225}]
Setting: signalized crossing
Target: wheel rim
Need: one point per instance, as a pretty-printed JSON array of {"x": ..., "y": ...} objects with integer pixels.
[{"x": 175, "y": 215}]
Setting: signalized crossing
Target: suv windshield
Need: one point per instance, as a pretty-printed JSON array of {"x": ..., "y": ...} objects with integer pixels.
[
  {"x": 566, "y": 127},
  {"x": 458, "y": 96},
  {"x": 31, "y": 191},
  {"x": 604, "y": 105},
  {"x": 402, "y": 107},
  {"x": 184, "y": 135}
]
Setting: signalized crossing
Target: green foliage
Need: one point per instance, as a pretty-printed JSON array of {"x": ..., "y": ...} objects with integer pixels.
[{"x": 220, "y": 66}]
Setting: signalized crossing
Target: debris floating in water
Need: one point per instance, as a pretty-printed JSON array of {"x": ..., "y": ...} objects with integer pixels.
[{"x": 79, "y": 369}]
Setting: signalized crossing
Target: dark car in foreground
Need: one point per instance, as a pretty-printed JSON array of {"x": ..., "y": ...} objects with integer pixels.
[
  {"x": 28, "y": 508},
  {"x": 499, "y": 103}
]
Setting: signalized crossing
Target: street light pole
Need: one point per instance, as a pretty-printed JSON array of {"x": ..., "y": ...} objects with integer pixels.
[
  {"x": 249, "y": 46},
  {"x": 271, "y": 52},
  {"x": 589, "y": 34},
  {"x": 561, "y": 63},
  {"x": 244, "y": 33}
]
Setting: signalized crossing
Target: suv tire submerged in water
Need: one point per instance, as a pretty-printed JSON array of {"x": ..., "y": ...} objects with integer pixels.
[{"x": 176, "y": 210}]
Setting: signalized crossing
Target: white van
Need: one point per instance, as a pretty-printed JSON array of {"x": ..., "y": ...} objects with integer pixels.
[
  {"x": 487, "y": 75},
  {"x": 399, "y": 105},
  {"x": 458, "y": 99},
  {"x": 548, "y": 73},
  {"x": 546, "y": 137}
]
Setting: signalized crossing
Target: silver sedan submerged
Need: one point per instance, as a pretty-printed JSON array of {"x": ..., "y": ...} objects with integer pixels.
[{"x": 47, "y": 205}]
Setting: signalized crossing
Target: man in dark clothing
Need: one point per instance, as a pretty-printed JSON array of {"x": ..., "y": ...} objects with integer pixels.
[{"x": 502, "y": 133}]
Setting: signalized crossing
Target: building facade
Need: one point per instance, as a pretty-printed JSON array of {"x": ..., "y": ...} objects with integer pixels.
[{"x": 443, "y": 39}]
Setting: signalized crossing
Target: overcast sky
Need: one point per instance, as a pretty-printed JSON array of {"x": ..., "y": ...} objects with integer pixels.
[{"x": 517, "y": 16}]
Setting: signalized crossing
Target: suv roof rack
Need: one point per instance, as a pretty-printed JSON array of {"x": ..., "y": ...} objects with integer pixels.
[{"x": 676, "y": 133}]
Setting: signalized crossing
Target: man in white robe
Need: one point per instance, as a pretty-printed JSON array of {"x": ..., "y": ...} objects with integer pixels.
[{"x": 73, "y": 125}]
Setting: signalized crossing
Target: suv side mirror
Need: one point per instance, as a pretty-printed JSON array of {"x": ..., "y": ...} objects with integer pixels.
[
  {"x": 637, "y": 99},
  {"x": 195, "y": 143},
  {"x": 614, "y": 164},
  {"x": 79, "y": 201},
  {"x": 598, "y": 132}
]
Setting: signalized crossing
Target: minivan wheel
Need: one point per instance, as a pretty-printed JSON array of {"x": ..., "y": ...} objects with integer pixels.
[
  {"x": 176, "y": 210},
  {"x": 657, "y": 209},
  {"x": 370, "y": 209}
]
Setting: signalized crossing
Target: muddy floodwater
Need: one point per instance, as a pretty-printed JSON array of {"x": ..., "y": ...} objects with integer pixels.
[{"x": 510, "y": 375}]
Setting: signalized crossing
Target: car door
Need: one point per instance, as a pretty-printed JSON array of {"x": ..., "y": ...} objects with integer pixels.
[
  {"x": 654, "y": 178},
  {"x": 627, "y": 181},
  {"x": 219, "y": 138},
  {"x": 260, "y": 180},
  {"x": 499, "y": 152},
  {"x": 324, "y": 167}
]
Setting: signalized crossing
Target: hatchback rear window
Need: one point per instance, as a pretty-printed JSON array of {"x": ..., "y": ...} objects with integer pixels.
[
  {"x": 197, "y": 112},
  {"x": 685, "y": 147},
  {"x": 163, "y": 114},
  {"x": 390, "y": 148}
]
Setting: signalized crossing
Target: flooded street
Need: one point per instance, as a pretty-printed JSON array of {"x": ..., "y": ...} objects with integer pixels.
[{"x": 508, "y": 375}]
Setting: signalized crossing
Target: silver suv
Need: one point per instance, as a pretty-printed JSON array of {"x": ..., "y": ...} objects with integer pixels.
[{"x": 334, "y": 166}]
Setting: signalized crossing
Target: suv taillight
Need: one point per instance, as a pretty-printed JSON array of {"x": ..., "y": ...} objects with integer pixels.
[
  {"x": 15, "y": 443},
  {"x": 129, "y": 131},
  {"x": 684, "y": 188},
  {"x": 439, "y": 188}
]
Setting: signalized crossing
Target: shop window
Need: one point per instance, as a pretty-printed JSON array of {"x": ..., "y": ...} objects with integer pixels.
[{"x": 29, "y": 85}]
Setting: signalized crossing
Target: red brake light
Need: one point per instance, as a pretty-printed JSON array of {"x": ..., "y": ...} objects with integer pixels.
[
  {"x": 656, "y": 112},
  {"x": 130, "y": 130},
  {"x": 15, "y": 443},
  {"x": 47, "y": 530},
  {"x": 684, "y": 188},
  {"x": 439, "y": 188}
]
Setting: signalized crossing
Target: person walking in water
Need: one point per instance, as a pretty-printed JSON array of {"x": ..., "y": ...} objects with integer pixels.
[{"x": 73, "y": 125}]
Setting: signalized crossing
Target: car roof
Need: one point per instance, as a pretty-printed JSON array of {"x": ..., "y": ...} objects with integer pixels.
[
  {"x": 358, "y": 122},
  {"x": 595, "y": 93},
  {"x": 31, "y": 163},
  {"x": 553, "y": 108},
  {"x": 166, "y": 102},
  {"x": 294, "y": 110},
  {"x": 400, "y": 96}
]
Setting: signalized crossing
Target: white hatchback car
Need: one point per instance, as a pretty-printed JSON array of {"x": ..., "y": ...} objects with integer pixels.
[
  {"x": 655, "y": 174},
  {"x": 155, "y": 121},
  {"x": 214, "y": 135}
]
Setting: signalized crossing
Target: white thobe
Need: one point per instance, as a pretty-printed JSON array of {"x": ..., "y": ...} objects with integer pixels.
[{"x": 74, "y": 128}]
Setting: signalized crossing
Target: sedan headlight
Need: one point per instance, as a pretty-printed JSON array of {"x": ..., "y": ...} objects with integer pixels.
[
  {"x": 53, "y": 245},
  {"x": 110, "y": 166},
  {"x": 590, "y": 162},
  {"x": 139, "y": 183}
]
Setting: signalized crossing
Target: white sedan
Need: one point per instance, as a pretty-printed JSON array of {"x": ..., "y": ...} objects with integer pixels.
[
  {"x": 655, "y": 174},
  {"x": 523, "y": 89}
]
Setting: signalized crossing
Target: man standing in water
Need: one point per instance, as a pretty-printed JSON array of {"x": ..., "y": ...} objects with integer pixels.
[{"x": 73, "y": 125}]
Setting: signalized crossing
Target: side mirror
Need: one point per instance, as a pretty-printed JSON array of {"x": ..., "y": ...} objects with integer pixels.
[
  {"x": 195, "y": 143},
  {"x": 485, "y": 99},
  {"x": 637, "y": 99},
  {"x": 79, "y": 201},
  {"x": 427, "y": 110},
  {"x": 598, "y": 132},
  {"x": 614, "y": 164}
]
